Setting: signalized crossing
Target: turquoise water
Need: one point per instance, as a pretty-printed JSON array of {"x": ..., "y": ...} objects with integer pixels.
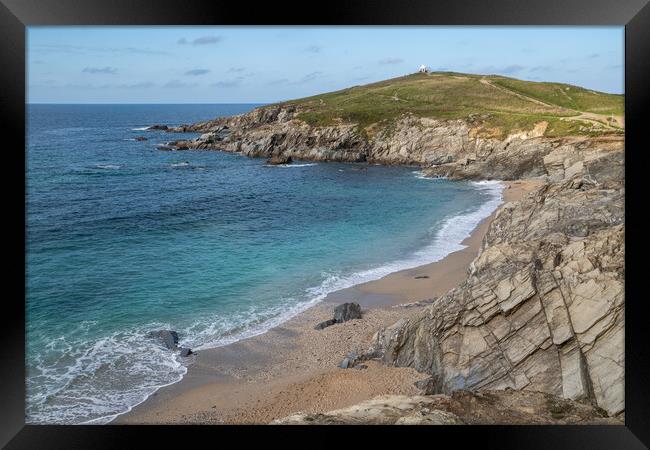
[{"x": 124, "y": 239}]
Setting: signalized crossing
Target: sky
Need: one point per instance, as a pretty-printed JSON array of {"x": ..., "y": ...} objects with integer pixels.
[{"x": 227, "y": 64}]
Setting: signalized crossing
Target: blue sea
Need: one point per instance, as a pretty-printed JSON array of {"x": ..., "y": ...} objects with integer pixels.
[{"x": 123, "y": 239}]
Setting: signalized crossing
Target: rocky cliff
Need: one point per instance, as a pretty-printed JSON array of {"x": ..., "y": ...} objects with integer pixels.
[
  {"x": 542, "y": 307},
  {"x": 451, "y": 148}
]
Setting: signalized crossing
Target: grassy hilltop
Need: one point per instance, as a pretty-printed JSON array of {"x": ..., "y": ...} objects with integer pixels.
[{"x": 494, "y": 105}]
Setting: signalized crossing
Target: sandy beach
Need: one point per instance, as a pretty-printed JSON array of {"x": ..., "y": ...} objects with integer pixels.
[{"x": 293, "y": 367}]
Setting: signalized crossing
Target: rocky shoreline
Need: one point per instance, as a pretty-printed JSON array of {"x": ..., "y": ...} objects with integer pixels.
[
  {"x": 450, "y": 148},
  {"x": 542, "y": 307}
]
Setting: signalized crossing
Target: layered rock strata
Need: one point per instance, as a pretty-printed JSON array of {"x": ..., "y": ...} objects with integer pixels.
[{"x": 542, "y": 307}]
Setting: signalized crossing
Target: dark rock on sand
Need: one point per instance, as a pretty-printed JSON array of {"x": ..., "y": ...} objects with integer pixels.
[
  {"x": 168, "y": 337},
  {"x": 421, "y": 276},
  {"x": 360, "y": 367},
  {"x": 325, "y": 324},
  {"x": 186, "y": 352},
  {"x": 279, "y": 159},
  {"x": 342, "y": 313},
  {"x": 347, "y": 311}
]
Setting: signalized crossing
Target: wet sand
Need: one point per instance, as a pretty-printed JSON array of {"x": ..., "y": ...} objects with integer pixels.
[{"x": 293, "y": 367}]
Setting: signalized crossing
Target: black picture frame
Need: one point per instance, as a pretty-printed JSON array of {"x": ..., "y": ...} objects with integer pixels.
[{"x": 16, "y": 15}]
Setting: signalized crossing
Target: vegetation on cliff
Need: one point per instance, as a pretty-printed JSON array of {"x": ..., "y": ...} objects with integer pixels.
[{"x": 495, "y": 105}]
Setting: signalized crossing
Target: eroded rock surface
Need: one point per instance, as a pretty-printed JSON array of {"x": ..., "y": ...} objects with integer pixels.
[
  {"x": 461, "y": 407},
  {"x": 542, "y": 308}
]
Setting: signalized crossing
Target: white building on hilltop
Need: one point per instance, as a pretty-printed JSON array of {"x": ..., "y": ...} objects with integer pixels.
[{"x": 423, "y": 69}]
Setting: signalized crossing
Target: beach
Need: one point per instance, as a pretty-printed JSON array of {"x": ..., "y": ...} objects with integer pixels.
[{"x": 294, "y": 367}]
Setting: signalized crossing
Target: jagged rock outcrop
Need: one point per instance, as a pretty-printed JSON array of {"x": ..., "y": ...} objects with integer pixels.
[
  {"x": 273, "y": 132},
  {"x": 542, "y": 307},
  {"x": 450, "y": 148},
  {"x": 520, "y": 157},
  {"x": 461, "y": 407}
]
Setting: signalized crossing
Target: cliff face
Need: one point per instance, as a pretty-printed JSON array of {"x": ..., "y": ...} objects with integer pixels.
[
  {"x": 451, "y": 148},
  {"x": 267, "y": 132},
  {"x": 542, "y": 308}
]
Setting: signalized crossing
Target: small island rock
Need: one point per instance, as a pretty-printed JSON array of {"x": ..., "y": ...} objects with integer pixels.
[{"x": 279, "y": 159}]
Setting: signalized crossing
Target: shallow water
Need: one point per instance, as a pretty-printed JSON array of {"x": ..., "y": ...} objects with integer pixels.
[{"x": 124, "y": 239}]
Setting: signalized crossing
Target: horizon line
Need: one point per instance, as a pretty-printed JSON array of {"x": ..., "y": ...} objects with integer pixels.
[{"x": 151, "y": 103}]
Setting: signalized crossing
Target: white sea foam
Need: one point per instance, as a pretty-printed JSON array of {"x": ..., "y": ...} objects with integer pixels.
[
  {"x": 108, "y": 166},
  {"x": 291, "y": 165},
  {"x": 140, "y": 129},
  {"x": 87, "y": 390},
  {"x": 420, "y": 175},
  {"x": 448, "y": 239},
  {"x": 297, "y": 165}
]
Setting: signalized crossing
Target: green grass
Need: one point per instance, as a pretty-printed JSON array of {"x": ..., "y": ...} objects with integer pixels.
[
  {"x": 497, "y": 111},
  {"x": 567, "y": 96}
]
